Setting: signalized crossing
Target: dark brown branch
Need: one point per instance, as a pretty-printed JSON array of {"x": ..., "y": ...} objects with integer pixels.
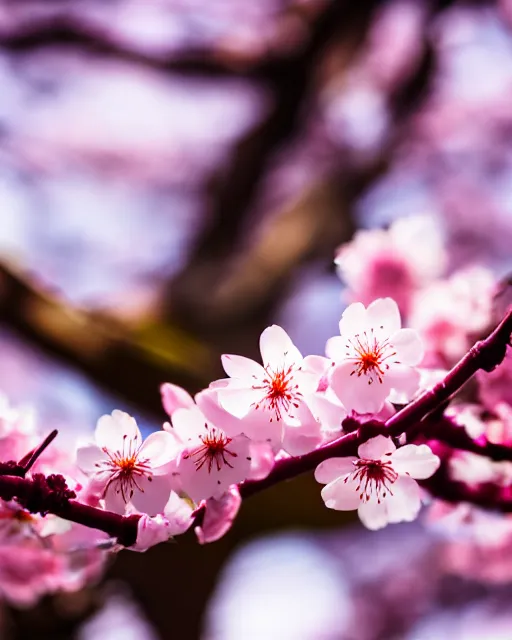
[{"x": 28, "y": 492}]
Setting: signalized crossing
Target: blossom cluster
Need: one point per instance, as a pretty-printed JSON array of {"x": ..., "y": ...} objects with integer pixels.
[{"x": 335, "y": 414}]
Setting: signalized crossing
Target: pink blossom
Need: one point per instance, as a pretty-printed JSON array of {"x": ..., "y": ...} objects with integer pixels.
[
  {"x": 255, "y": 425},
  {"x": 125, "y": 469},
  {"x": 393, "y": 263},
  {"x": 374, "y": 357},
  {"x": 276, "y": 389},
  {"x": 380, "y": 483},
  {"x": 151, "y": 531},
  {"x": 27, "y": 572},
  {"x": 219, "y": 515},
  {"x": 451, "y": 314},
  {"x": 174, "y": 397},
  {"x": 211, "y": 461}
]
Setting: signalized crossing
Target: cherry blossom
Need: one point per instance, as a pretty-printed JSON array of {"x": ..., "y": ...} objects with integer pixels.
[
  {"x": 374, "y": 357},
  {"x": 210, "y": 461},
  {"x": 219, "y": 515},
  {"x": 276, "y": 389},
  {"x": 396, "y": 262},
  {"x": 124, "y": 469},
  {"x": 380, "y": 483},
  {"x": 450, "y": 314}
]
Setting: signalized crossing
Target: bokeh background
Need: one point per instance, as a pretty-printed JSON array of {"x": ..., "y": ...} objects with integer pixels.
[{"x": 175, "y": 175}]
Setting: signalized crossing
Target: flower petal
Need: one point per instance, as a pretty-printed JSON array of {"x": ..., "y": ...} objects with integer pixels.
[
  {"x": 89, "y": 458},
  {"x": 112, "y": 431},
  {"x": 336, "y": 348},
  {"x": 242, "y": 367},
  {"x": 174, "y": 397},
  {"x": 353, "y": 319},
  {"x": 334, "y": 468},
  {"x": 359, "y": 393},
  {"x": 203, "y": 481},
  {"x": 239, "y": 402},
  {"x": 405, "y": 382},
  {"x": 373, "y": 514},
  {"x": 375, "y": 448},
  {"x": 416, "y": 461},
  {"x": 408, "y": 346},
  {"x": 404, "y": 503},
  {"x": 114, "y": 500},
  {"x": 383, "y": 314},
  {"x": 219, "y": 516},
  {"x": 160, "y": 448},
  {"x": 188, "y": 425},
  {"x": 342, "y": 494},
  {"x": 262, "y": 460},
  {"x": 151, "y": 494},
  {"x": 277, "y": 348}
]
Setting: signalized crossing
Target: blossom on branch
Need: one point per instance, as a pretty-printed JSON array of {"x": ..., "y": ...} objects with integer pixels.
[
  {"x": 124, "y": 469},
  {"x": 210, "y": 461},
  {"x": 275, "y": 389},
  {"x": 373, "y": 357},
  {"x": 380, "y": 483}
]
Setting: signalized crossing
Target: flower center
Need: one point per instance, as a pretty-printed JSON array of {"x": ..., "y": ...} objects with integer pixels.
[
  {"x": 375, "y": 478},
  {"x": 126, "y": 468},
  {"x": 369, "y": 355},
  {"x": 281, "y": 391},
  {"x": 213, "y": 452}
]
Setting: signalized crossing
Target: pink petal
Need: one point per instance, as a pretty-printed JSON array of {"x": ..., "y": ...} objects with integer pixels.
[
  {"x": 373, "y": 514},
  {"x": 405, "y": 382},
  {"x": 342, "y": 494},
  {"x": 404, "y": 503},
  {"x": 277, "y": 348},
  {"x": 201, "y": 482},
  {"x": 375, "y": 448},
  {"x": 242, "y": 367},
  {"x": 334, "y": 468},
  {"x": 188, "y": 424},
  {"x": 114, "y": 500},
  {"x": 416, "y": 461},
  {"x": 316, "y": 364},
  {"x": 383, "y": 314},
  {"x": 112, "y": 431},
  {"x": 150, "y": 532},
  {"x": 329, "y": 414},
  {"x": 151, "y": 494},
  {"x": 408, "y": 346},
  {"x": 353, "y": 319},
  {"x": 160, "y": 448},
  {"x": 358, "y": 393},
  {"x": 239, "y": 402},
  {"x": 174, "y": 397},
  {"x": 304, "y": 436},
  {"x": 262, "y": 460},
  {"x": 219, "y": 516},
  {"x": 179, "y": 514},
  {"x": 336, "y": 348},
  {"x": 88, "y": 458}
]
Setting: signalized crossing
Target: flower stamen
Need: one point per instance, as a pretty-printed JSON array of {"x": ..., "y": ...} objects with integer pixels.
[
  {"x": 369, "y": 355},
  {"x": 374, "y": 477},
  {"x": 281, "y": 391},
  {"x": 213, "y": 452}
]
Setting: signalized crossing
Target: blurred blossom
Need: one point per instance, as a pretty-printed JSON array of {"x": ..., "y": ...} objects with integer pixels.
[
  {"x": 288, "y": 578},
  {"x": 120, "y": 618}
]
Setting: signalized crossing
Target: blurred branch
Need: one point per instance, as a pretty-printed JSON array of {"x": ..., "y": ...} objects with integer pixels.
[
  {"x": 218, "y": 58},
  {"x": 132, "y": 363},
  {"x": 244, "y": 285},
  {"x": 291, "y": 83}
]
